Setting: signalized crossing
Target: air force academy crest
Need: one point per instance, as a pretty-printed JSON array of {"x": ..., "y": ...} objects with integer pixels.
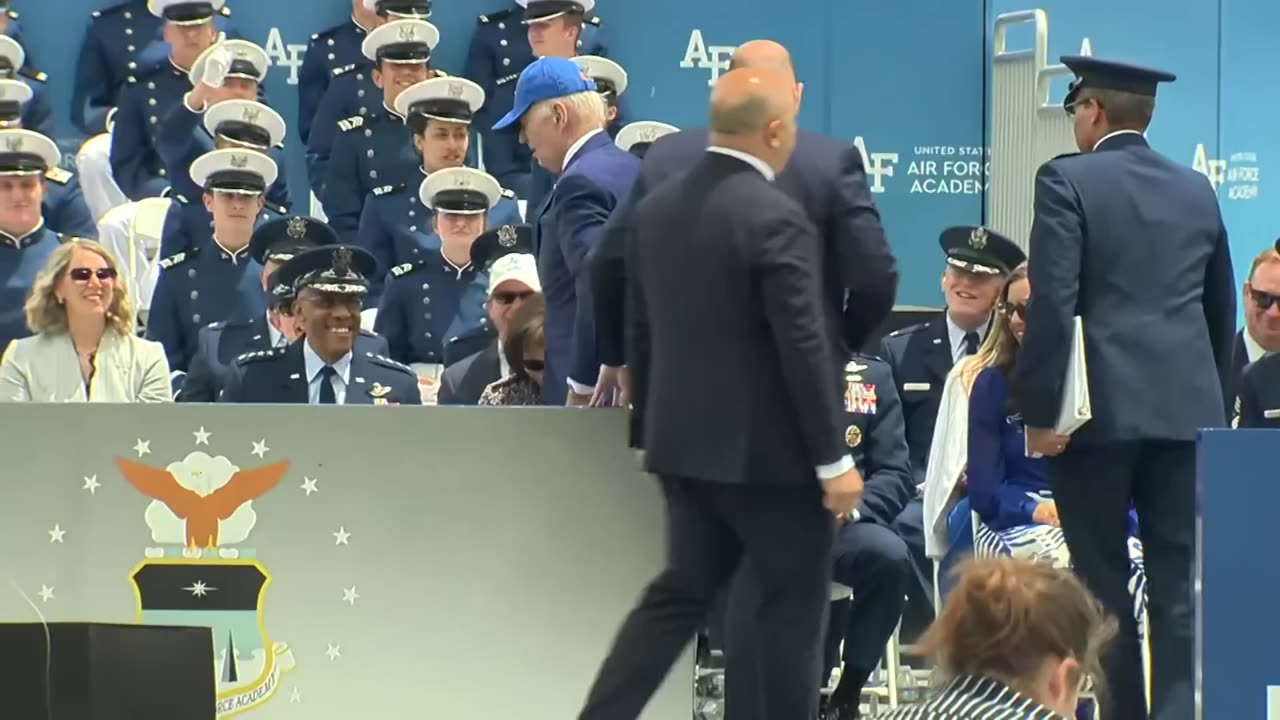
[{"x": 198, "y": 572}]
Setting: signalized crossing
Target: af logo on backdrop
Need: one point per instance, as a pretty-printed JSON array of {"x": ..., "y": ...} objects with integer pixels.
[
  {"x": 1239, "y": 175},
  {"x": 707, "y": 57},
  {"x": 933, "y": 169},
  {"x": 285, "y": 54}
]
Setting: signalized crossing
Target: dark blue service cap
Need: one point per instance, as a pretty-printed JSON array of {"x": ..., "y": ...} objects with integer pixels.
[
  {"x": 1092, "y": 72},
  {"x": 280, "y": 239},
  {"x": 544, "y": 10},
  {"x": 980, "y": 250},
  {"x": 278, "y": 294},
  {"x": 337, "y": 269},
  {"x": 500, "y": 241},
  {"x": 404, "y": 8}
]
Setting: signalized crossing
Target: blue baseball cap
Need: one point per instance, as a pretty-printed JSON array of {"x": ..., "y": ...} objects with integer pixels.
[{"x": 546, "y": 78}]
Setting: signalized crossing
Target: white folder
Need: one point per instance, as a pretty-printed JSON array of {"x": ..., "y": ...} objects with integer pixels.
[{"x": 1076, "y": 409}]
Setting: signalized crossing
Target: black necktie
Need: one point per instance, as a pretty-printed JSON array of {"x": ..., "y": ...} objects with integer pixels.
[
  {"x": 327, "y": 394},
  {"x": 971, "y": 343}
]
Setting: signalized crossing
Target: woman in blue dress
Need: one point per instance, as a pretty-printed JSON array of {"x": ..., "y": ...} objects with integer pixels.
[{"x": 1008, "y": 491}]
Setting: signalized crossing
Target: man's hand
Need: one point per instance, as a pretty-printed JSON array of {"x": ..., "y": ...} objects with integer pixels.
[
  {"x": 575, "y": 399},
  {"x": 1046, "y": 514},
  {"x": 613, "y": 388},
  {"x": 1046, "y": 442},
  {"x": 843, "y": 493}
]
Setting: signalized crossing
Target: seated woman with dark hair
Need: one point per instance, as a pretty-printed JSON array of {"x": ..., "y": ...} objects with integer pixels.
[
  {"x": 1016, "y": 639},
  {"x": 525, "y": 350}
]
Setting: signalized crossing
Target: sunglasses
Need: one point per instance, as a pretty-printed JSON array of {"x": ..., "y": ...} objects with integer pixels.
[
  {"x": 506, "y": 298},
  {"x": 1011, "y": 309},
  {"x": 1264, "y": 300},
  {"x": 535, "y": 364},
  {"x": 82, "y": 274}
]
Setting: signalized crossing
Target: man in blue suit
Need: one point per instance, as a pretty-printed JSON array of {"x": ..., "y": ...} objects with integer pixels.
[
  {"x": 322, "y": 367},
  {"x": 562, "y": 118},
  {"x": 1133, "y": 244},
  {"x": 500, "y": 49}
]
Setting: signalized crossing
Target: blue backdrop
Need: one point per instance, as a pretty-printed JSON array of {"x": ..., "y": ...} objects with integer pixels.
[{"x": 905, "y": 79}]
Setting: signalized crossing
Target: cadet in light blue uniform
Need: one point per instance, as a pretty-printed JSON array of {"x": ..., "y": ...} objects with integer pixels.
[
  {"x": 441, "y": 295},
  {"x": 377, "y": 149},
  {"x": 396, "y": 224},
  {"x": 152, "y": 93},
  {"x": 351, "y": 91},
  {"x": 120, "y": 39},
  {"x": 219, "y": 280},
  {"x": 64, "y": 208},
  {"x": 221, "y": 343},
  {"x": 499, "y": 51},
  {"x": 322, "y": 367},
  {"x": 37, "y": 113},
  {"x": 25, "y": 242}
]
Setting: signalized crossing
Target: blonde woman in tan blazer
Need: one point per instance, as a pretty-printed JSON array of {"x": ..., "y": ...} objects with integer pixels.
[{"x": 83, "y": 348}]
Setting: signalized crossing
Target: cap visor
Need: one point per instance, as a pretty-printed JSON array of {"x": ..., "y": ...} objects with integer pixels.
[{"x": 510, "y": 118}]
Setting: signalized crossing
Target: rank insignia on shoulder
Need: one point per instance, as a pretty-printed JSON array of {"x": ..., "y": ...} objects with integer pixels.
[
  {"x": 352, "y": 123},
  {"x": 58, "y": 175},
  {"x": 506, "y": 193},
  {"x": 403, "y": 269},
  {"x": 595, "y": 20},
  {"x": 859, "y": 397},
  {"x": 33, "y": 74},
  {"x": 13, "y": 15},
  {"x": 388, "y": 362},
  {"x": 225, "y": 11},
  {"x": 386, "y": 189},
  {"x": 182, "y": 199}
]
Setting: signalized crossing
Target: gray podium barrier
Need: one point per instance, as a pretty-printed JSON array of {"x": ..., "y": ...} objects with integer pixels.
[{"x": 351, "y": 562}]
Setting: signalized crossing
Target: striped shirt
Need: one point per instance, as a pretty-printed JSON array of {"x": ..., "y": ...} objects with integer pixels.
[{"x": 973, "y": 698}]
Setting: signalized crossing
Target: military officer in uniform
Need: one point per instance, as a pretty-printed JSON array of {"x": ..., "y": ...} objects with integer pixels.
[
  {"x": 377, "y": 149},
  {"x": 328, "y": 51},
  {"x": 219, "y": 280},
  {"x": 120, "y": 39},
  {"x": 921, "y": 355},
  {"x": 395, "y": 224},
  {"x": 505, "y": 256},
  {"x": 153, "y": 91},
  {"x": 37, "y": 113},
  {"x": 499, "y": 50},
  {"x": 64, "y": 209},
  {"x": 636, "y": 137},
  {"x": 220, "y": 343},
  {"x": 322, "y": 367},
  {"x": 441, "y": 294},
  {"x": 1134, "y": 245},
  {"x": 25, "y": 242}
]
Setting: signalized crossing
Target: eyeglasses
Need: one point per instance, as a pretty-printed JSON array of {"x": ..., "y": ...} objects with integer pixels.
[
  {"x": 534, "y": 364},
  {"x": 1263, "y": 300},
  {"x": 506, "y": 298},
  {"x": 1009, "y": 310},
  {"x": 82, "y": 274}
]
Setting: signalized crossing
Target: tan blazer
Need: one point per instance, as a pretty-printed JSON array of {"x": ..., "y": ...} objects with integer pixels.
[{"x": 44, "y": 368}]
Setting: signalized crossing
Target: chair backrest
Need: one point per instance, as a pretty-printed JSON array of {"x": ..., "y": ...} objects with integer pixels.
[
  {"x": 148, "y": 224},
  {"x": 367, "y": 318}
]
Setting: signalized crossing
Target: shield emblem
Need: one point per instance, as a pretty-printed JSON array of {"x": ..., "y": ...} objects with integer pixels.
[
  {"x": 506, "y": 236},
  {"x": 978, "y": 238},
  {"x": 296, "y": 228}
]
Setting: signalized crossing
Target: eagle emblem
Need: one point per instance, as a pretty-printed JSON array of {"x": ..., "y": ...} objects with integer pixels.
[
  {"x": 506, "y": 236},
  {"x": 296, "y": 228},
  {"x": 978, "y": 238},
  {"x": 239, "y": 162},
  {"x": 342, "y": 262}
]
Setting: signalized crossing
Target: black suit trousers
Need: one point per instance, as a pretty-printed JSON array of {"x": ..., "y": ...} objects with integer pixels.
[
  {"x": 784, "y": 533},
  {"x": 1093, "y": 486}
]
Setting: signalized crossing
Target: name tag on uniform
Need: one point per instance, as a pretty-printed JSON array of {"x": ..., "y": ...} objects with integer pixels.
[
  {"x": 1271, "y": 414},
  {"x": 915, "y": 387},
  {"x": 860, "y": 397}
]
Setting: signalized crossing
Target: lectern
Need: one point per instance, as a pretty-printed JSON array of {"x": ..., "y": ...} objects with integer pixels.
[{"x": 99, "y": 671}]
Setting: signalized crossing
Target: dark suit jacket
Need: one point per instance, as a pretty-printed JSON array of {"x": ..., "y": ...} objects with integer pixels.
[
  {"x": 463, "y": 382},
  {"x": 1239, "y": 359},
  {"x": 859, "y": 274},
  {"x": 1258, "y": 402},
  {"x": 595, "y": 180},
  {"x": 1134, "y": 244},
  {"x": 732, "y": 377}
]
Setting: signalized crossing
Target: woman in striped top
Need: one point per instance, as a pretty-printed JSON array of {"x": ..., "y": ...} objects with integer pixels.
[{"x": 1017, "y": 640}]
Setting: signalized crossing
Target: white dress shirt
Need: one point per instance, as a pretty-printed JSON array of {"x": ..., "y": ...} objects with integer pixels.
[
  {"x": 832, "y": 470},
  {"x": 277, "y": 338},
  {"x": 1110, "y": 135},
  {"x": 314, "y": 365},
  {"x": 1251, "y": 347},
  {"x": 576, "y": 146},
  {"x": 955, "y": 335}
]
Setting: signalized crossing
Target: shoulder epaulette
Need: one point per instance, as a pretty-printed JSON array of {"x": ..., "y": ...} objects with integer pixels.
[
  {"x": 32, "y": 74},
  {"x": 182, "y": 199},
  {"x": 595, "y": 20},
  {"x": 439, "y": 73},
  {"x": 62, "y": 238},
  {"x": 110, "y": 10},
  {"x": 1065, "y": 155},
  {"x": 908, "y": 330},
  {"x": 508, "y": 193},
  {"x": 13, "y": 15},
  {"x": 328, "y": 31},
  {"x": 59, "y": 176},
  {"x": 275, "y": 208},
  {"x": 260, "y": 355},
  {"x": 387, "y": 190},
  {"x": 388, "y": 362},
  {"x": 225, "y": 11},
  {"x": 494, "y": 16},
  {"x": 368, "y": 333},
  {"x": 355, "y": 122},
  {"x": 217, "y": 325},
  {"x": 344, "y": 69},
  {"x": 177, "y": 259},
  {"x": 405, "y": 268},
  {"x": 868, "y": 356}
]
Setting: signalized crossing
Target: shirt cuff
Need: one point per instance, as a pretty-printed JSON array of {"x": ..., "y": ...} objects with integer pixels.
[
  {"x": 836, "y": 469},
  {"x": 186, "y": 102},
  {"x": 580, "y": 388}
]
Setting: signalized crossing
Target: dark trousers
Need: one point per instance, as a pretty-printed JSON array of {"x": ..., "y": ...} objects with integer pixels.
[
  {"x": 874, "y": 561},
  {"x": 909, "y": 525},
  {"x": 783, "y": 533},
  {"x": 1093, "y": 486}
]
